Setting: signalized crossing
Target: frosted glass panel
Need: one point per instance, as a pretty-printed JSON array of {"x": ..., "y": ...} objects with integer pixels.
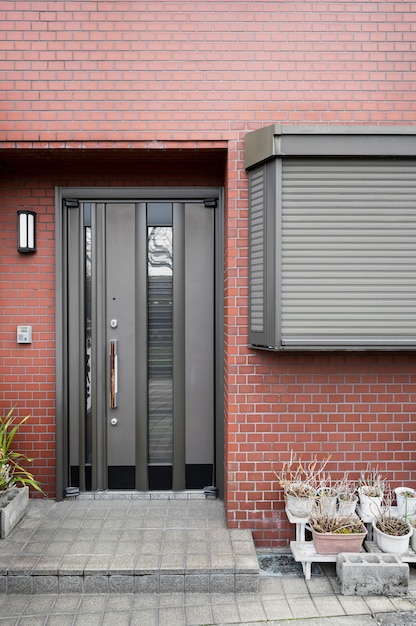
[{"x": 160, "y": 344}]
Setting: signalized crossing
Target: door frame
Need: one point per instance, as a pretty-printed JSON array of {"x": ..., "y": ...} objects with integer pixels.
[{"x": 136, "y": 194}]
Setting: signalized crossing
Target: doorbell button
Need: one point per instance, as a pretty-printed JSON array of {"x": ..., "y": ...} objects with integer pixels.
[
  {"x": 113, "y": 421},
  {"x": 113, "y": 323}
]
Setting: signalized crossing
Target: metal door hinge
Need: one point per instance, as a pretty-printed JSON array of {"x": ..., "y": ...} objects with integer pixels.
[{"x": 71, "y": 203}]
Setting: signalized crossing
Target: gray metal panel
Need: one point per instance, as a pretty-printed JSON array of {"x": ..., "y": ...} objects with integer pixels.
[
  {"x": 257, "y": 269},
  {"x": 264, "y": 255},
  {"x": 349, "y": 252},
  {"x": 276, "y": 140},
  {"x": 126, "y": 194},
  {"x": 61, "y": 301},
  {"x": 99, "y": 351},
  {"x": 120, "y": 306},
  {"x": 76, "y": 353},
  {"x": 178, "y": 472},
  {"x": 141, "y": 358},
  {"x": 199, "y": 333},
  {"x": 219, "y": 347},
  {"x": 273, "y": 258}
]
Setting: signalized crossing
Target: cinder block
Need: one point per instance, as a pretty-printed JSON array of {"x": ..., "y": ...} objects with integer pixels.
[
  {"x": 13, "y": 509},
  {"x": 364, "y": 574}
]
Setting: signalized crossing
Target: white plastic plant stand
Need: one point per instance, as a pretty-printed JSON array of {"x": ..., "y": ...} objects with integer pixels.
[
  {"x": 305, "y": 553},
  {"x": 300, "y": 525},
  {"x": 407, "y": 557}
]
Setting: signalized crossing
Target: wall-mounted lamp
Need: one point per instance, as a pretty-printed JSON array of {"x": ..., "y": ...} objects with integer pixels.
[{"x": 26, "y": 241}]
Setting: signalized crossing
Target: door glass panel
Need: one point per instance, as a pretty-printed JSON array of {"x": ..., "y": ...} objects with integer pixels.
[
  {"x": 88, "y": 341},
  {"x": 160, "y": 344}
]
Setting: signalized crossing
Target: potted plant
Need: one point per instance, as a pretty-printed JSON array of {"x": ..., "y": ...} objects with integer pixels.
[
  {"x": 412, "y": 522},
  {"x": 327, "y": 496},
  {"x": 15, "y": 479},
  {"x": 299, "y": 481},
  {"x": 347, "y": 496},
  {"x": 333, "y": 534},
  {"x": 370, "y": 491},
  {"x": 392, "y": 533},
  {"x": 406, "y": 501}
]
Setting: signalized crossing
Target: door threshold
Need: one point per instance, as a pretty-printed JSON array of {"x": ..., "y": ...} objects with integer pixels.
[{"x": 191, "y": 494}]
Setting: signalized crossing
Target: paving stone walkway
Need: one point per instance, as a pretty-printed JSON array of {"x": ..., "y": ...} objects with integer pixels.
[{"x": 102, "y": 539}]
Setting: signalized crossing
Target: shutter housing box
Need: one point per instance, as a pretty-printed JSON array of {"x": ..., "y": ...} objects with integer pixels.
[{"x": 332, "y": 233}]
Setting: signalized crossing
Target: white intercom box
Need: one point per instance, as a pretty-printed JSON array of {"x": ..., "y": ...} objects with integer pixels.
[{"x": 24, "y": 334}]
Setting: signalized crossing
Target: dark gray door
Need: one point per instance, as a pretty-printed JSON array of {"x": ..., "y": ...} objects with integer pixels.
[{"x": 141, "y": 345}]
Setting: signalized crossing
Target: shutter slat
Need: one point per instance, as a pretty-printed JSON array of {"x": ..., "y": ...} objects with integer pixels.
[
  {"x": 256, "y": 272},
  {"x": 348, "y": 250}
]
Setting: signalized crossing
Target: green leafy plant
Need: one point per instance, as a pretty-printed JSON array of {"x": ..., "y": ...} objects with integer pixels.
[{"x": 12, "y": 473}]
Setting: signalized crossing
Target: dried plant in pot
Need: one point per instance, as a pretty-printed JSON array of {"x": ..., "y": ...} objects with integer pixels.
[
  {"x": 327, "y": 496},
  {"x": 347, "y": 496},
  {"x": 333, "y": 534},
  {"x": 412, "y": 522},
  {"x": 299, "y": 481},
  {"x": 370, "y": 491},
  {"x": 392, "y": 533},
  {"x": 406, "y": 501}
]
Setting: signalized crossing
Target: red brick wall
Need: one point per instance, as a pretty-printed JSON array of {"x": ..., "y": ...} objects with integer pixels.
[
  {"x": 27, "y": 372},
  {"x": 198, "y": 75}
]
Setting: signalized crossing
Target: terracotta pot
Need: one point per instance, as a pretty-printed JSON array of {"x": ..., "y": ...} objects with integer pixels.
[{"x": 328, "y": 543}]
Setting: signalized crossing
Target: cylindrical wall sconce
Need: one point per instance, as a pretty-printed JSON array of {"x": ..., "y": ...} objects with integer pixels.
[{"x": 26, "y": 240}]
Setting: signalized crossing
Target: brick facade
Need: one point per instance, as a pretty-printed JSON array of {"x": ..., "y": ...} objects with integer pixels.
[{"x": 114, "y": 93}]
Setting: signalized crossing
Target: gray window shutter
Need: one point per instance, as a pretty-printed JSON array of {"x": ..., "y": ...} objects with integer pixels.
[
  {"x": 263, "y": 256},
  {"x": 257, "y": 253},
  {"x": 348, "y": 248}
]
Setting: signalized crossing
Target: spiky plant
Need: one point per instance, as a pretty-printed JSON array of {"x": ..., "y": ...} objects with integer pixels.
[{"x": 12, "y": 473}]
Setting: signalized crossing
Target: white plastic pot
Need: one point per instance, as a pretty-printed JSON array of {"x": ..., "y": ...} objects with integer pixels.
[
  {"x": 327, "y": 501},
  {"x": 406, "y": 501},
  {"x": 347, "y": 507},
  {"x": 391, "y": 544},
  {"x": 299, "y": 506},
  {"x": 370, "y": 505}
]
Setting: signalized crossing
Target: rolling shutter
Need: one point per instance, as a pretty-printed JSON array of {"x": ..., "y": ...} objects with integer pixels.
[
  {"x": 348, "y": 250},
  {"x": 257, "y": 251}
]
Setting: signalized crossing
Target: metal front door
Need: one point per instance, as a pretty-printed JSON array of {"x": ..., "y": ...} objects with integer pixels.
[{"x": 141, "y": 322}]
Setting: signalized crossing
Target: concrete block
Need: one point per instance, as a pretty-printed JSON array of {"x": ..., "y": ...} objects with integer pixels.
[
  {"x": 12, "y": 508},
  {"x": 364, "y": 574}
]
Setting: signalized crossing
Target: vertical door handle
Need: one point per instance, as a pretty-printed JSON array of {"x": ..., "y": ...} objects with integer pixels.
[{"x": 113, "y": 373}]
